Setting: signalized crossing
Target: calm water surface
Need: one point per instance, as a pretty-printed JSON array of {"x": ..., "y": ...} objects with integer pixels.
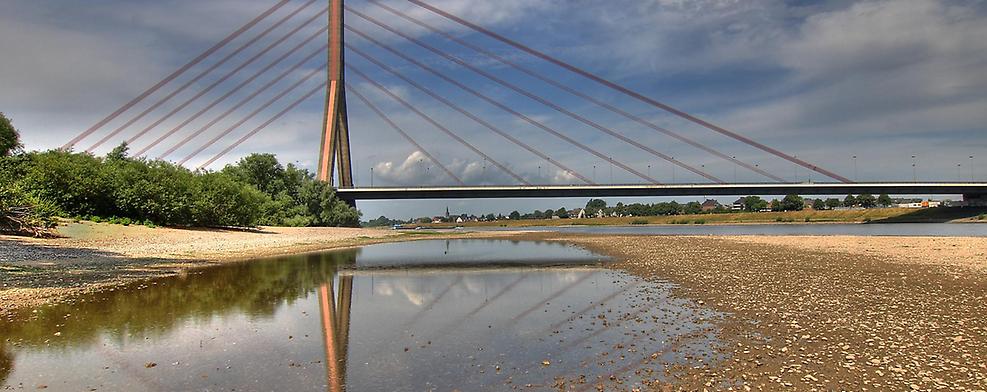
[
  {"x": 428, "y": 315},
  {"x": 885, "y": 229}
]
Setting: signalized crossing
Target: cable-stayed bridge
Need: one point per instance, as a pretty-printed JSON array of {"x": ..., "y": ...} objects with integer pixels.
[{"x": 301, "y": 50}]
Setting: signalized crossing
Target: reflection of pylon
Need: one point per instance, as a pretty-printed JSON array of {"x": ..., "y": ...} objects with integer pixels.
[
  {"x": 336, "y": 329},
  {"x": 335, "y": 130}
]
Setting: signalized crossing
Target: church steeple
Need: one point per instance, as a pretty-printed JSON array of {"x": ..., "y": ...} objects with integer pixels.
[{"x": 447, "y": 211}]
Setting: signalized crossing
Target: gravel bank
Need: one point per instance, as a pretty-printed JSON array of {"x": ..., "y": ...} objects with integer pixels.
[{"x": 827, "y": 313}]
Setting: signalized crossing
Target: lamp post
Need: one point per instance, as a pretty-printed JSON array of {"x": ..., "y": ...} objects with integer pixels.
[
  {"x": 594, "y": 173},
  {"x": 914, "y": 170},
  {"x": 371, "y": 177},
  {"x": 734, "y": 169},
  {"x": 971, "y": 169},
  {"x": 856, "y": 178}
]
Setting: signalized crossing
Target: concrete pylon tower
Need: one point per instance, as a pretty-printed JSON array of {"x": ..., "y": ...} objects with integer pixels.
[{"x": 335, "y": 147}]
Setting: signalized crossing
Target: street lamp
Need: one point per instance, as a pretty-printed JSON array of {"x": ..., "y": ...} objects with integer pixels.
[
  {"x": 673, "y": 170},
  {"x": 856, "y": 178},
  {"x": 914, "y": 170},
  {"x": 971, "y": 169},
  {"x": 371, "y": 177},
  {"x": 734, "y": 169},
  {"x": 594, "y": 173}
]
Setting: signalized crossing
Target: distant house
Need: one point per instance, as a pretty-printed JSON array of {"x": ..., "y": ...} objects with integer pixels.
[
  {"x": 578, "y": 214},
  {"x": 710, "y": 205},
  {"x": 737, "y": 205},
  {"x": 459, "y": 220},
  {"x": 922, "y": 204}
]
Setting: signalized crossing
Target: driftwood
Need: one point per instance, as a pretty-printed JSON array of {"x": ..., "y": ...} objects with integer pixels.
[{"x": 22, "y": 220}]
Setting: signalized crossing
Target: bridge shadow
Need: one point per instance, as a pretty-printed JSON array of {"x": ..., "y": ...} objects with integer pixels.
[{"x": 936, "y": 215}]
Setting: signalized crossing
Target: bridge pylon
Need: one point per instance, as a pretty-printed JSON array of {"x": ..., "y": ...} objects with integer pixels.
[{"x": 335, "y": 147}]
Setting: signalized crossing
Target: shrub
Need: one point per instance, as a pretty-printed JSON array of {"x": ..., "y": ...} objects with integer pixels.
[
  {"x": 24, "y": 214},
  {"x": 639, "y": 222},
  {"x": 700, "y": 221}
]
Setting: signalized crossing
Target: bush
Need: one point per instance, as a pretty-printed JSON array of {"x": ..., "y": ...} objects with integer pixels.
[
  {"x": 256, "y": 191},
  {"x": 700, "y": 221},
  {"x": 639, "y": 222},
  {"x": 982, "y": 217},
  {"x": 24, "y": 214}
]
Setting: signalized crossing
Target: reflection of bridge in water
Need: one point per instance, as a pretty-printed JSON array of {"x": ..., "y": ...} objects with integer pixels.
[{"x": 458, "y": 306}]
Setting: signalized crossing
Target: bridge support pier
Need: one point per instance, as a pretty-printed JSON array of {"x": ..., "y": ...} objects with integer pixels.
[{"x": 975, "y": 199}]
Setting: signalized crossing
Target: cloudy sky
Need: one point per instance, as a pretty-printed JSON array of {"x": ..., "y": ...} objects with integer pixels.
[{"x": 822, "y": 80}]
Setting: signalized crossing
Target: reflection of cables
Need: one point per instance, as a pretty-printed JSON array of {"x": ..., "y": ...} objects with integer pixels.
[
  {"x": 175, "y": 74},
  {"x": 405, "y": 135}
]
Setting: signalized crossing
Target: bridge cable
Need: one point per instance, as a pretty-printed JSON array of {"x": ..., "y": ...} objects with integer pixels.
[
  {"x": 537, "y": 98},
  {"x": 240, "y": 86},
  {"x": 243, "y": 102},
  {"x": 629, "y": 92},
  {"x": 441, "y": 127},
  {"x": 199, "y": 76},
  {"x": 504, "y": 107},
  {"x": 470, "y": 115},
  {"x": 253, "y": 114},
  {"x": 405, "y": 134},
  {"x": 265, "y": 124},
  {"x": 570, "y": 90},
  {"x": 175, "y": 74},
  {"x": 232, "y": 72}
]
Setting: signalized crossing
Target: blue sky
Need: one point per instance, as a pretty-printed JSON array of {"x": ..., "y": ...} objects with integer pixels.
[{"x": 825, "y": 81}]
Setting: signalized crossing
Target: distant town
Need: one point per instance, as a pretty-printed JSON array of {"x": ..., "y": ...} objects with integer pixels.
[{"x": 598, "y": 208}]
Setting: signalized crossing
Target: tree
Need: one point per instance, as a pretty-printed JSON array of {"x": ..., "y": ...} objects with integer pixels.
[
  {"x": 562, "y": 213},
  {"x": 595, "y": 205},
  {"x": 792, "y": 202},
  {"x": 775, "y": 205},
  {"x": 884, "y": 200},
  {"x": 866, "y": 200},
  {"x": 849, "y": 201},
  {"x": 754, "y": 204},
  {"x": 693, "y": 207},
  {"x": 515, "y": 215},
  {"x": 832, "y": 203},
  {"x": 818, "y": 204},
  {"x": 10, "y": 138},
  {"x": 119, "y": 153}
]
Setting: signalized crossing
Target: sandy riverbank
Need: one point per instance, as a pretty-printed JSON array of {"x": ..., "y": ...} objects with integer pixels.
[
  {"x": 826, "y": 313},
  {"x": 90, "y": 257}
]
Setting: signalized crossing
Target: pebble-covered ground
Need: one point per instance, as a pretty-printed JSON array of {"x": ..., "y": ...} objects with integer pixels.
[{"x": 800, "y": 317}]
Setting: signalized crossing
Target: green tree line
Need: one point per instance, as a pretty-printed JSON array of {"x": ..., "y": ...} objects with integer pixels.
[{"x": 258, "y": 190}]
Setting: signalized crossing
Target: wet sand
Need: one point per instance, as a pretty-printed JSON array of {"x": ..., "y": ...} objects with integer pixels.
[{"x": 826, "y": 313}]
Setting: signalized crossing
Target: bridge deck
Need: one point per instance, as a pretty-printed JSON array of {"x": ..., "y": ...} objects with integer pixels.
[{"x": 639, "y": 190}]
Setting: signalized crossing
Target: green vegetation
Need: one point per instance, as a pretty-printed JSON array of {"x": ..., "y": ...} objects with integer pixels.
[
  {"x": 639, "y": 222},
  {"x": 10, "y": 138},
  {"x": 258, "y": 190}
]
